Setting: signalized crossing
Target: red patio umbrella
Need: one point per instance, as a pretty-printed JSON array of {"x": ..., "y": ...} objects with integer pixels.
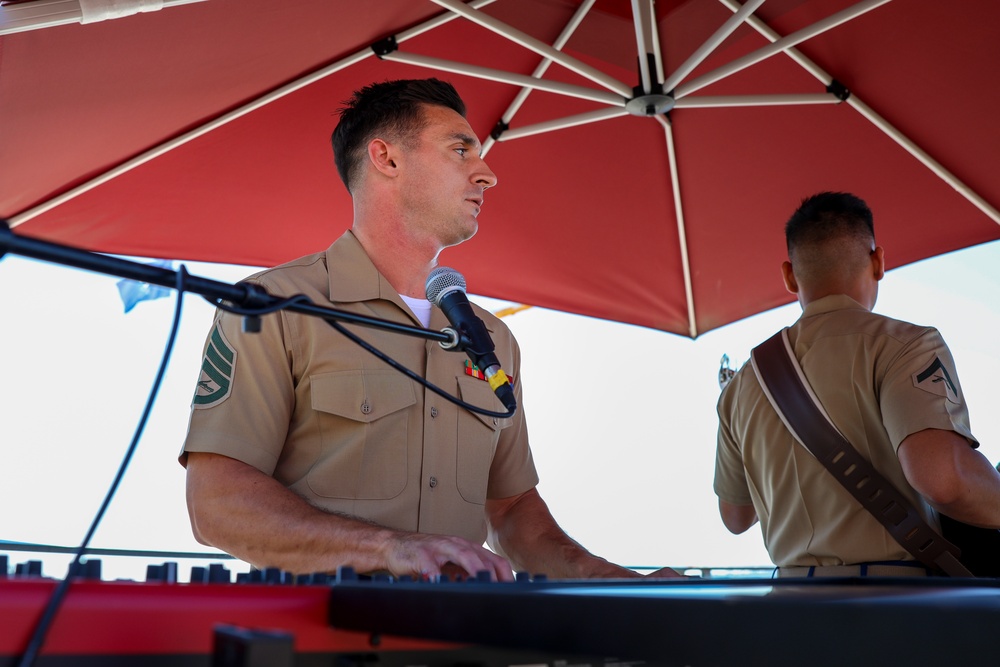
[{"x": 646, "y": 161}]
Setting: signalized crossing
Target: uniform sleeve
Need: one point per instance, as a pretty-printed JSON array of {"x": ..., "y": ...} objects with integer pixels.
[
  {"x": 245, "y": 394},
  {"x": 730, "y": 475},
  {"x": 921, "y": 390}
]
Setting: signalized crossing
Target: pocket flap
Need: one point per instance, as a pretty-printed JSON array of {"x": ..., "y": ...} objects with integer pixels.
[
  {"x": 362, "y": 395},
  {"x": 479, "y": 393}
]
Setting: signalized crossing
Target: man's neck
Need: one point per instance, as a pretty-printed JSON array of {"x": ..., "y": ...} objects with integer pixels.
[
  {"x": 403, "y": 261},
  {"x": 864, "y": 297}
]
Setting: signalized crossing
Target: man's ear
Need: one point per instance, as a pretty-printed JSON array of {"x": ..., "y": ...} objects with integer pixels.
[
  {"x": 878, "y": 262},
  {"x": 788, "y": 276},
  {"x": 380, "y": 154}
]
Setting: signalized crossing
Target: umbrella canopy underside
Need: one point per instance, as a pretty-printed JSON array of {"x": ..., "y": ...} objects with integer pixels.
[{"x": 650, "y": 189}]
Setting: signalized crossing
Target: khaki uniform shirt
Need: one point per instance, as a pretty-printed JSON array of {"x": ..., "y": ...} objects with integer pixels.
[
  {"x": 880, "y": 380},
  {"x": 344, "y": 430}
]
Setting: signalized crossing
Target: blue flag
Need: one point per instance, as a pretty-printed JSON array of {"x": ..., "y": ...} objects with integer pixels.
[{"x": 133, "y": 291}]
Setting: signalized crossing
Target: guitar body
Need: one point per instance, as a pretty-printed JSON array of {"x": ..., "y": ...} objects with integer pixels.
[{"x": 980, "y": 546}]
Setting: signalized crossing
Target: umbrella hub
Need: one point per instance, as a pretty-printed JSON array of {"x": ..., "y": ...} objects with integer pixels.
[{"x": 651, "y": 103}]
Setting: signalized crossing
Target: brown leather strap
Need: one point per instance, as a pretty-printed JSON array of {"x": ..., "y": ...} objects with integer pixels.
[{"x": 780, "y": 376}]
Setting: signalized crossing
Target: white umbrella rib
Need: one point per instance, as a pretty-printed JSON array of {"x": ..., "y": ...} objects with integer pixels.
[
  {"x": 681, "y": 225},
  {"x": 881, "y": 123},
  {"x": 543, "y": 66},
  {"x": 712, "y": 43},
  {"x": 224, "y": 119},
  {"x": 501, "y": 76},
  {"x": 778, "y": 44},
  {"x": 539, "y": 47}
]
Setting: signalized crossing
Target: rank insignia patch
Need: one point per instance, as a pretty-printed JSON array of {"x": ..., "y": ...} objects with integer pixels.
[
  {"x": 936, "y": 380},
  {"x": 217, "y": 368}
]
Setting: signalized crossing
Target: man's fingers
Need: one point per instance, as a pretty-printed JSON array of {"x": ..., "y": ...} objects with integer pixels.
[
  {"x": 473, "y": 560},
  {"x": 433, "y": 555}
]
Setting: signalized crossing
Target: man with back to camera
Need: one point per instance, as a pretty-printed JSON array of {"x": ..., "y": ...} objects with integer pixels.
[
  {"x": 889, "y": 386},
  {"x": 305, "y": 452}
]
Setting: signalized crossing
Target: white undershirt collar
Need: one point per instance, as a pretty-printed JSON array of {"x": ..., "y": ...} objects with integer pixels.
[{"x": 420, "y": 307}]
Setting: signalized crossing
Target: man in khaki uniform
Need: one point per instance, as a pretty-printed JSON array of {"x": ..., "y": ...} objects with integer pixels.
[
  {"x": 306, "y": 452},
  {"x": 889, "y": 386}
]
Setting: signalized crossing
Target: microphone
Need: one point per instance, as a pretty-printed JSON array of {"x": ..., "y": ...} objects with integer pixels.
[{"x": 446, "y": 289}]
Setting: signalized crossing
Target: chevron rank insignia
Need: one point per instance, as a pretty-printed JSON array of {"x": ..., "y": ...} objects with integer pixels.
[
  {"x": 216, "y": 381},
  {"x": 936, "y": 380}
]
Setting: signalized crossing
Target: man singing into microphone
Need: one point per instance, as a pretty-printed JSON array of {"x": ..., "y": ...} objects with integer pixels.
[{"x": 306, "y": 453}]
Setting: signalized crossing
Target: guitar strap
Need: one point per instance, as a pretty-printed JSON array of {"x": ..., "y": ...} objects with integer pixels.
[{"x": 798, "y": 407}]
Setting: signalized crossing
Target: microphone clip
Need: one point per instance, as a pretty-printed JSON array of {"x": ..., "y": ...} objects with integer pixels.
[{"x": 454, "y": 338}]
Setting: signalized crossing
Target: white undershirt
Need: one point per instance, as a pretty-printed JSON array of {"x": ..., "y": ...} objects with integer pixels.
[{"x": 420, "y": 307}]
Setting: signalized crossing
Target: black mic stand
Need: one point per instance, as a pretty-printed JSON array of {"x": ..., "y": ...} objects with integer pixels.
[
  {"x": 248, "y": 300},
  {"x": 243, "y": 295}
]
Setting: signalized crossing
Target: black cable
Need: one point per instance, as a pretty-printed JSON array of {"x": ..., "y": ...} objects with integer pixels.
[
  {"x": 413, "y": 376},
  {"x": 59, "y": 594},
  {"x": 301, "y": 298}
]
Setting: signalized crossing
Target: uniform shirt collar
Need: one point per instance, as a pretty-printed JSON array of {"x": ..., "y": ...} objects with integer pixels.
[
  {"x": 353, "y": 276},
  {"x": 831, "y": 303}
]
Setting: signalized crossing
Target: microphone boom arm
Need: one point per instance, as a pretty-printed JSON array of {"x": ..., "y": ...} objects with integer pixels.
[{"x": 243, "y": 295}]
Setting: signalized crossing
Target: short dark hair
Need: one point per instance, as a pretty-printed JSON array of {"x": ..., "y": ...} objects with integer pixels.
[
  {"x": 392, "y": 108},
  {"x": 830, "y": 238},
  {"x": 828, "y": 215}
]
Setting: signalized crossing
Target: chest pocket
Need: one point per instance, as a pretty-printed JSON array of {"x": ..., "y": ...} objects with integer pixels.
[
  {"x": 477, "y": 439},
  {"x": 364, "y": 429}
]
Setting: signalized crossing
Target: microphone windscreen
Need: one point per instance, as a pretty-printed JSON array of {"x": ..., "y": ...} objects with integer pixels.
[{"x": 442, "y": 280}]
